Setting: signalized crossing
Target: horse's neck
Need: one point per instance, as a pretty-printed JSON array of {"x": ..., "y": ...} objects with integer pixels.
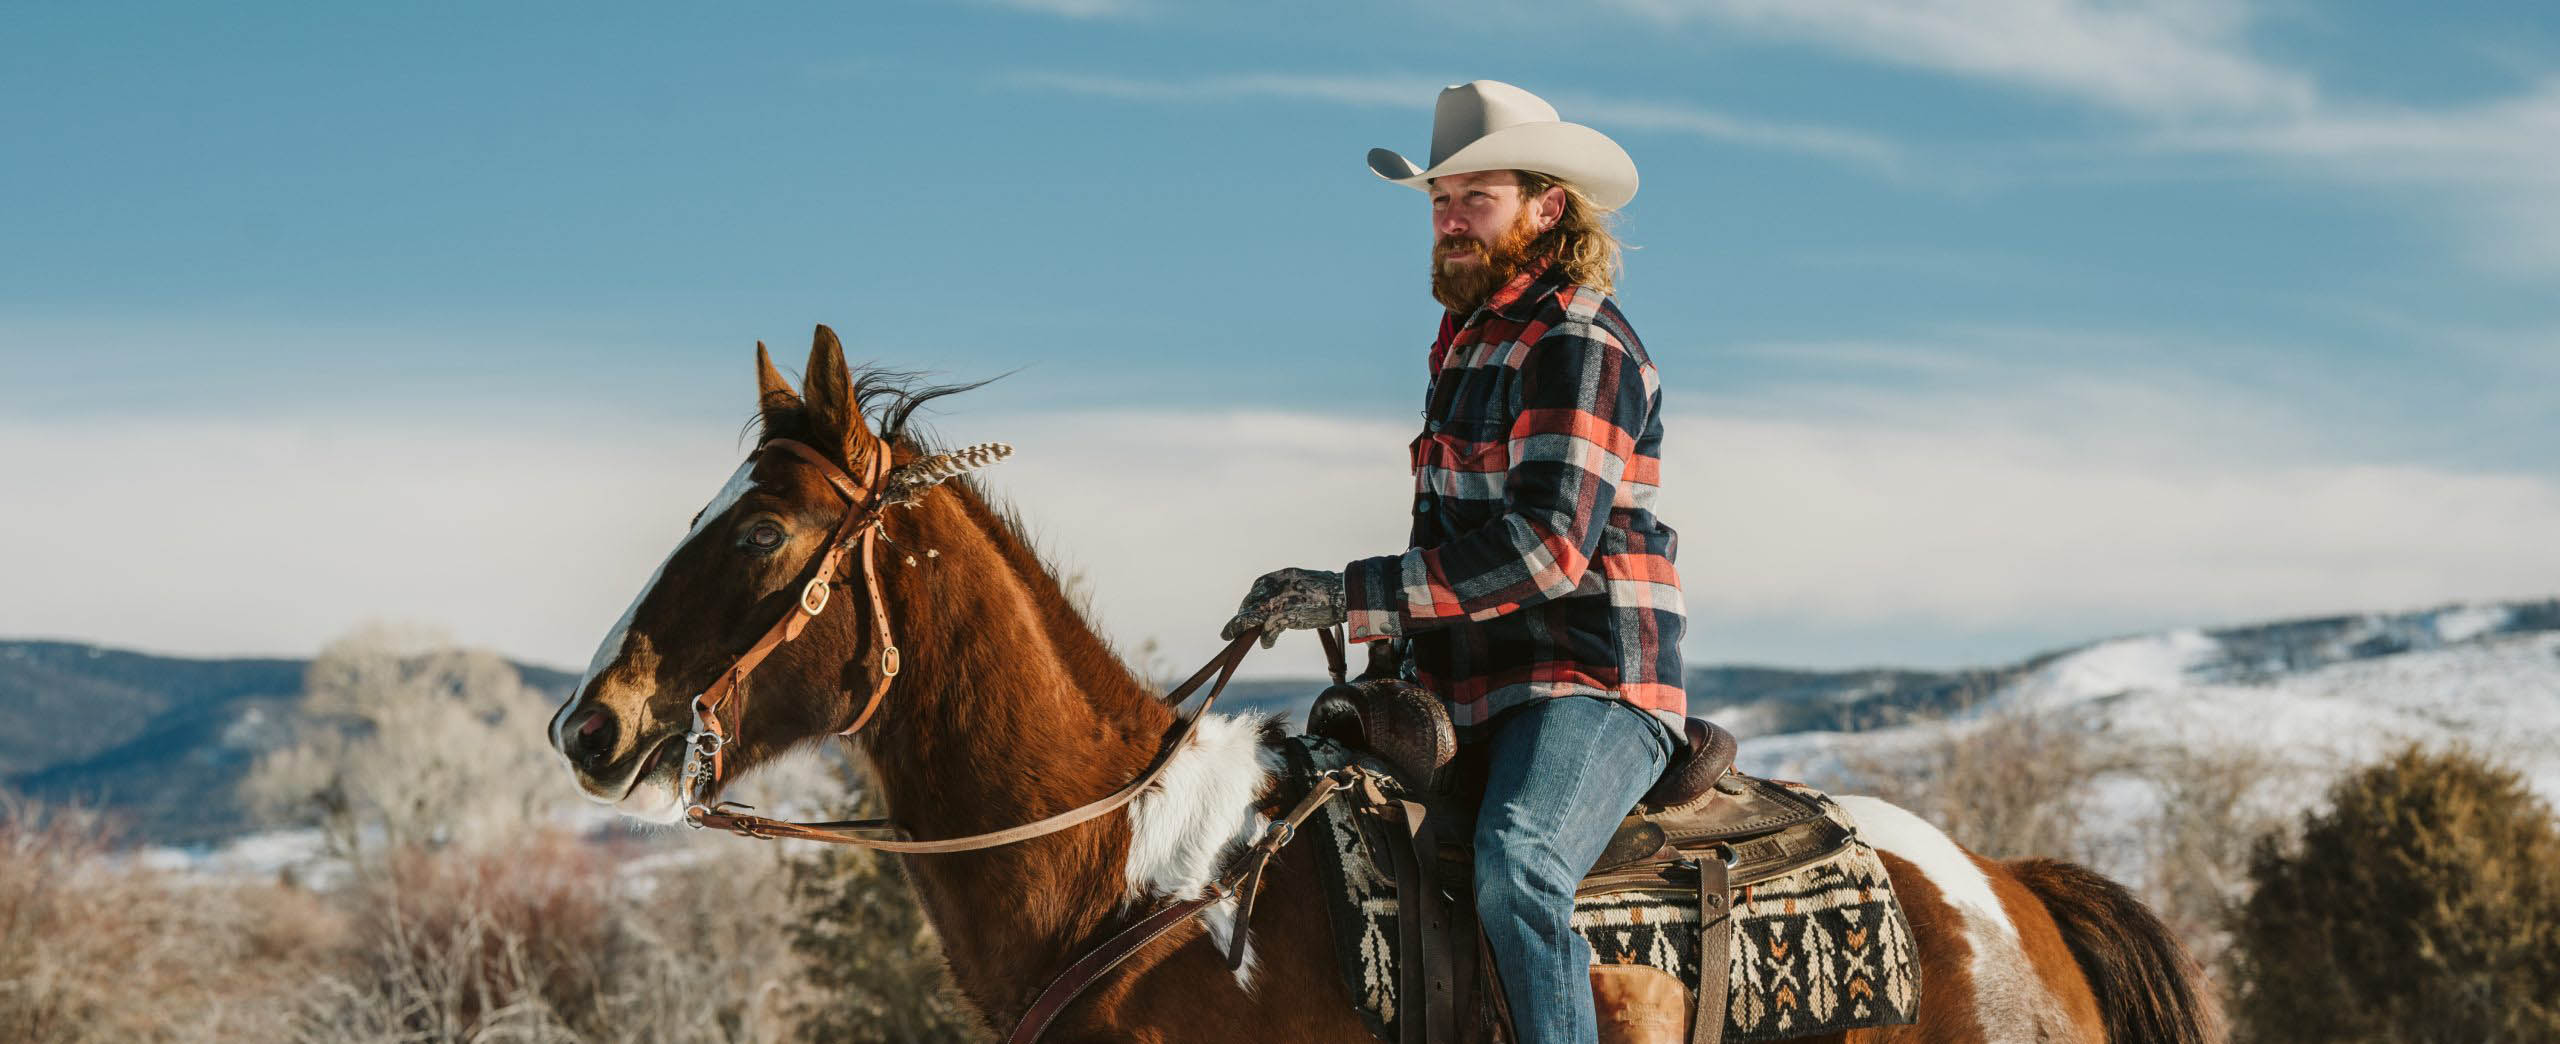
[{"x": 1010, "y": 710}]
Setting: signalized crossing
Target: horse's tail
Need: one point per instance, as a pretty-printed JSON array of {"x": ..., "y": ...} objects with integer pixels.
[{"x": 2147, "y": 987}]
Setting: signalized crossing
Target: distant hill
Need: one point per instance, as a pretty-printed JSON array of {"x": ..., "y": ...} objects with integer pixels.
[
  {"x": 164, "y": 739},
  {"x": 161, "y": 740},
  {"x": 2306, "y": 697}
]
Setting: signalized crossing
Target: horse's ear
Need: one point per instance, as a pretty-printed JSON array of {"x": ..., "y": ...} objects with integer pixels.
[
  {"x": 829, "y": 386},
  {"x": 774, "y": 396}
]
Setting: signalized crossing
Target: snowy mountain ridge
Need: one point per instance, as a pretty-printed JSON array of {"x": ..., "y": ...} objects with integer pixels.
[{"x": 2306, "y": 699}]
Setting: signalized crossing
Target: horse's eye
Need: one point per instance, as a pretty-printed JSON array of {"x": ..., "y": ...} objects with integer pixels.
[{"x": 764, "y": 535}]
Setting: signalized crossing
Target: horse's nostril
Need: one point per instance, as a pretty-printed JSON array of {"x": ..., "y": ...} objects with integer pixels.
[{"x": 591, "y": 738}]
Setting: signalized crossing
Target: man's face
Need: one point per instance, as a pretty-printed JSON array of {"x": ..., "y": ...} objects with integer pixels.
[{"x": 1481, "y": 230}]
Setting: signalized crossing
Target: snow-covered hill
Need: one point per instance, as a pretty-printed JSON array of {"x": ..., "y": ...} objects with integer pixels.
[{"x": 2304, "y": 699}]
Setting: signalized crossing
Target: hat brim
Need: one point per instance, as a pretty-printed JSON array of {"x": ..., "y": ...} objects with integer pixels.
[{"x": 1570, "y": 151}]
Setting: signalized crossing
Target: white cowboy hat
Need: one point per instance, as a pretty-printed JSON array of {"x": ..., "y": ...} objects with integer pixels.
[{"x": 1490, "y": 125}]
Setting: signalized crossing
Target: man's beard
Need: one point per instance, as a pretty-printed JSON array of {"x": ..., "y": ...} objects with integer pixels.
[{"x": 1464, "y": 288}]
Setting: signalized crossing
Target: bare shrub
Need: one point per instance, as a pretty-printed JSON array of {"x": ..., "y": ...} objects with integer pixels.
[
  {"x": 708, "y": 954},
  {"x": 2008, "y": 783},
  {"x": 2214, "y": 804},
  {"x": 462, "y": 945},
  {"x": 556, "y": 940},
  {"x": 91, "y": 950}
]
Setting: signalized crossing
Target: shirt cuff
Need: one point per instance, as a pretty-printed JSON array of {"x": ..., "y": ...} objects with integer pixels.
[{"x": 1373, "y": 598}]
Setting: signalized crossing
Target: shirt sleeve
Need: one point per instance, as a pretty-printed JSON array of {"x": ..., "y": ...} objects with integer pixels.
[{"x": 1583, "y": 399}]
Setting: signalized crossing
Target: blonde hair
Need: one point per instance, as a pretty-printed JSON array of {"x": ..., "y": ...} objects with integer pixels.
[{"x": 1582, "y": 243}]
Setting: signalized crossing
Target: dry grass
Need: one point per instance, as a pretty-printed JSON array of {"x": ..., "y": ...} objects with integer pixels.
[
  {"x": 551, "y": 939},
  {"x": 91, "y": 950}
]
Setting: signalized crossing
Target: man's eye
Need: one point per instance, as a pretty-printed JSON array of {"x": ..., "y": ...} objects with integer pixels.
[{"x": 764, "y": 536}]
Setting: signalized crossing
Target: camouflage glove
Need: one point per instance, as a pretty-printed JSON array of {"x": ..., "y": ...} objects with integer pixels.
[{"x": 1287, "y": 599}]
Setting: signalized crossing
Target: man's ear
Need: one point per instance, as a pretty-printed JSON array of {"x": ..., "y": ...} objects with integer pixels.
[{"x": 1550, "y": 207}]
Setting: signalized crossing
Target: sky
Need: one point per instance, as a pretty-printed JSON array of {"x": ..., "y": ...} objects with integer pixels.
[{"x": 1985, "y": 327}]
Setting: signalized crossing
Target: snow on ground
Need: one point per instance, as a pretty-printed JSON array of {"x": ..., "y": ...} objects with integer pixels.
[
  {"x": 2500, "y": 695},
  {"x": 2460, "y": 677},
  {"x": 2309, "y": 698},
  {"x": 2151, "y": 662}
]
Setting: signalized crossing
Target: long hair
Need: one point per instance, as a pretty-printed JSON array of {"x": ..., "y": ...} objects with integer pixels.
[{"x": 1582, "y": 242}]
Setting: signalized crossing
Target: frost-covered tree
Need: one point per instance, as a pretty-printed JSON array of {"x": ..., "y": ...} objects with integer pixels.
[{"x": 407, "y": 740}]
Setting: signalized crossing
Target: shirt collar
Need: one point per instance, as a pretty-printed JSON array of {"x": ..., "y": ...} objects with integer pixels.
[{"x": 1519, "y": 299}]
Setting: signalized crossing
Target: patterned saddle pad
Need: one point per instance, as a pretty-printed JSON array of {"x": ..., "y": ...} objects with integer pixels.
[{"x": 1821, "y": 949}]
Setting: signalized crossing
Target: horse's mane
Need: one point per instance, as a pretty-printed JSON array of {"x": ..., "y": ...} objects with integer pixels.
[{"x": 889, "y": 399}]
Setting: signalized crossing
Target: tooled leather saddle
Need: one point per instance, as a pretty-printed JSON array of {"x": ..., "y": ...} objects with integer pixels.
[{"x": 1702, "y": 825}]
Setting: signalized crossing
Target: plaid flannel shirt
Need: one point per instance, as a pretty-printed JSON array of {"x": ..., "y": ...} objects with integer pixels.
[{"x": 1537, "y": 568}]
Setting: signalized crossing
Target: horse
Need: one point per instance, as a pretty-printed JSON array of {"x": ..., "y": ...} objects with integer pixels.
[{"x": 1008, "y": 708}]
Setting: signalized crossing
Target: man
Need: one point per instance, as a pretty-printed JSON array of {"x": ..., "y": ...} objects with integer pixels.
[{"x": 1538, "y": 596}]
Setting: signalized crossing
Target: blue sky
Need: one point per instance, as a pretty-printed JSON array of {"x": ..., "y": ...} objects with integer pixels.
[{"x": 1991, "y": 324}]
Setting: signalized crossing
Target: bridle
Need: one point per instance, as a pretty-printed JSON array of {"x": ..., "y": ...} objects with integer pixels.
[{"x": 855, "y": 538}]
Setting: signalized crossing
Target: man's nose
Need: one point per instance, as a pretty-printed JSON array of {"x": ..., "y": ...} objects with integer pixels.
[{"x": 1449, "y": 224}]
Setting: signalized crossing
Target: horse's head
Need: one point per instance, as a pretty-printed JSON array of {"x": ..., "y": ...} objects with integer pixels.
[{"x": 733, "y": 579}]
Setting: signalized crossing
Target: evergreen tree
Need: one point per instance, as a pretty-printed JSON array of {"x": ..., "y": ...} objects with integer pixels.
[
  {"x": 2422, "y": 905},
  {"x": 874, "y": 963}
]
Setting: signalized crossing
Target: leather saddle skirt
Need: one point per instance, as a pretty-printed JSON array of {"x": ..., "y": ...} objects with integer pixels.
[{"x": 1700, "y": 812}]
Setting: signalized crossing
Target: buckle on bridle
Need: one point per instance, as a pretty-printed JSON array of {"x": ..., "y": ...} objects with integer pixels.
[{"x": 813, "y": 596}]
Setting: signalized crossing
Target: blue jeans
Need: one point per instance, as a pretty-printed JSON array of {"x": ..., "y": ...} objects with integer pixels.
[{"x": 1561, "y": 773}]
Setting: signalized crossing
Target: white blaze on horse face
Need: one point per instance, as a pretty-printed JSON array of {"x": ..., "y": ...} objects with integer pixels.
[
  {"x": 1202, "y": 811},
  {"x": 608, "y": 653}
]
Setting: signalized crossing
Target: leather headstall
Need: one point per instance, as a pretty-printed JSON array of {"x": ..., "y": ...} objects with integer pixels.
[{"x": 855, "y": 538}]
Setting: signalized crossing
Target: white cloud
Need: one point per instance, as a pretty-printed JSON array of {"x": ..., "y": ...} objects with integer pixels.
[
  {"x": 2165, "y": 58},
  {"x": 2185, "y": 66},
  {"x": 2494, "y": 165},
  {"x": 2103, "y": 505},
  {"x": 1609, "y": 114},
  {"x": 237, "y": 536}
]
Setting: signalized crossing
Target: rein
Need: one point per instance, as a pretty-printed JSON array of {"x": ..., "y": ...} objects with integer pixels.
[
  {"x": 855, "y": 537},
  {"x": 843, "y": 832}
]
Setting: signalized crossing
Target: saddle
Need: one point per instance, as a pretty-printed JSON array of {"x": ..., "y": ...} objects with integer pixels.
[{"x": 1702, "y": 826}]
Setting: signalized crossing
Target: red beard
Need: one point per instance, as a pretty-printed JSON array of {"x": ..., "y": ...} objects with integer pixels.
[{"x": 1463, "y": 287}]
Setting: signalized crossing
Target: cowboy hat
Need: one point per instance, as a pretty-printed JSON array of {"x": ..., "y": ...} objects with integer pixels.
[{"x": 1490, "y": 125}]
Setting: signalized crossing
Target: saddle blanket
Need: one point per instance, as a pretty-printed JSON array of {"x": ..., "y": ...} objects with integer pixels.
[{"x": 1821, "y": 949}]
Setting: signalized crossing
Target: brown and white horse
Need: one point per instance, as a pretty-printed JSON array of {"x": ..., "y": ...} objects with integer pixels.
[{"x": 1011, "y": 708}]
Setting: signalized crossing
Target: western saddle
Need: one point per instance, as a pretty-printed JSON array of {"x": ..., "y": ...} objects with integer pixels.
[{"x": 1702, "y": 826}]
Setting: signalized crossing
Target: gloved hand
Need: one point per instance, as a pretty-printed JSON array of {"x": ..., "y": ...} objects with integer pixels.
[{"x": 1285, "y": 599}]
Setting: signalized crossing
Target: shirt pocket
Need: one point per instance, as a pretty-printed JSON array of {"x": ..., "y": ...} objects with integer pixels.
[{"x": 1462, "y": 479}]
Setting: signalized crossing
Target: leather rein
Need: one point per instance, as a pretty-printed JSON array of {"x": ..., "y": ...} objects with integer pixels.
[{"x": 855, "y": 540}]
